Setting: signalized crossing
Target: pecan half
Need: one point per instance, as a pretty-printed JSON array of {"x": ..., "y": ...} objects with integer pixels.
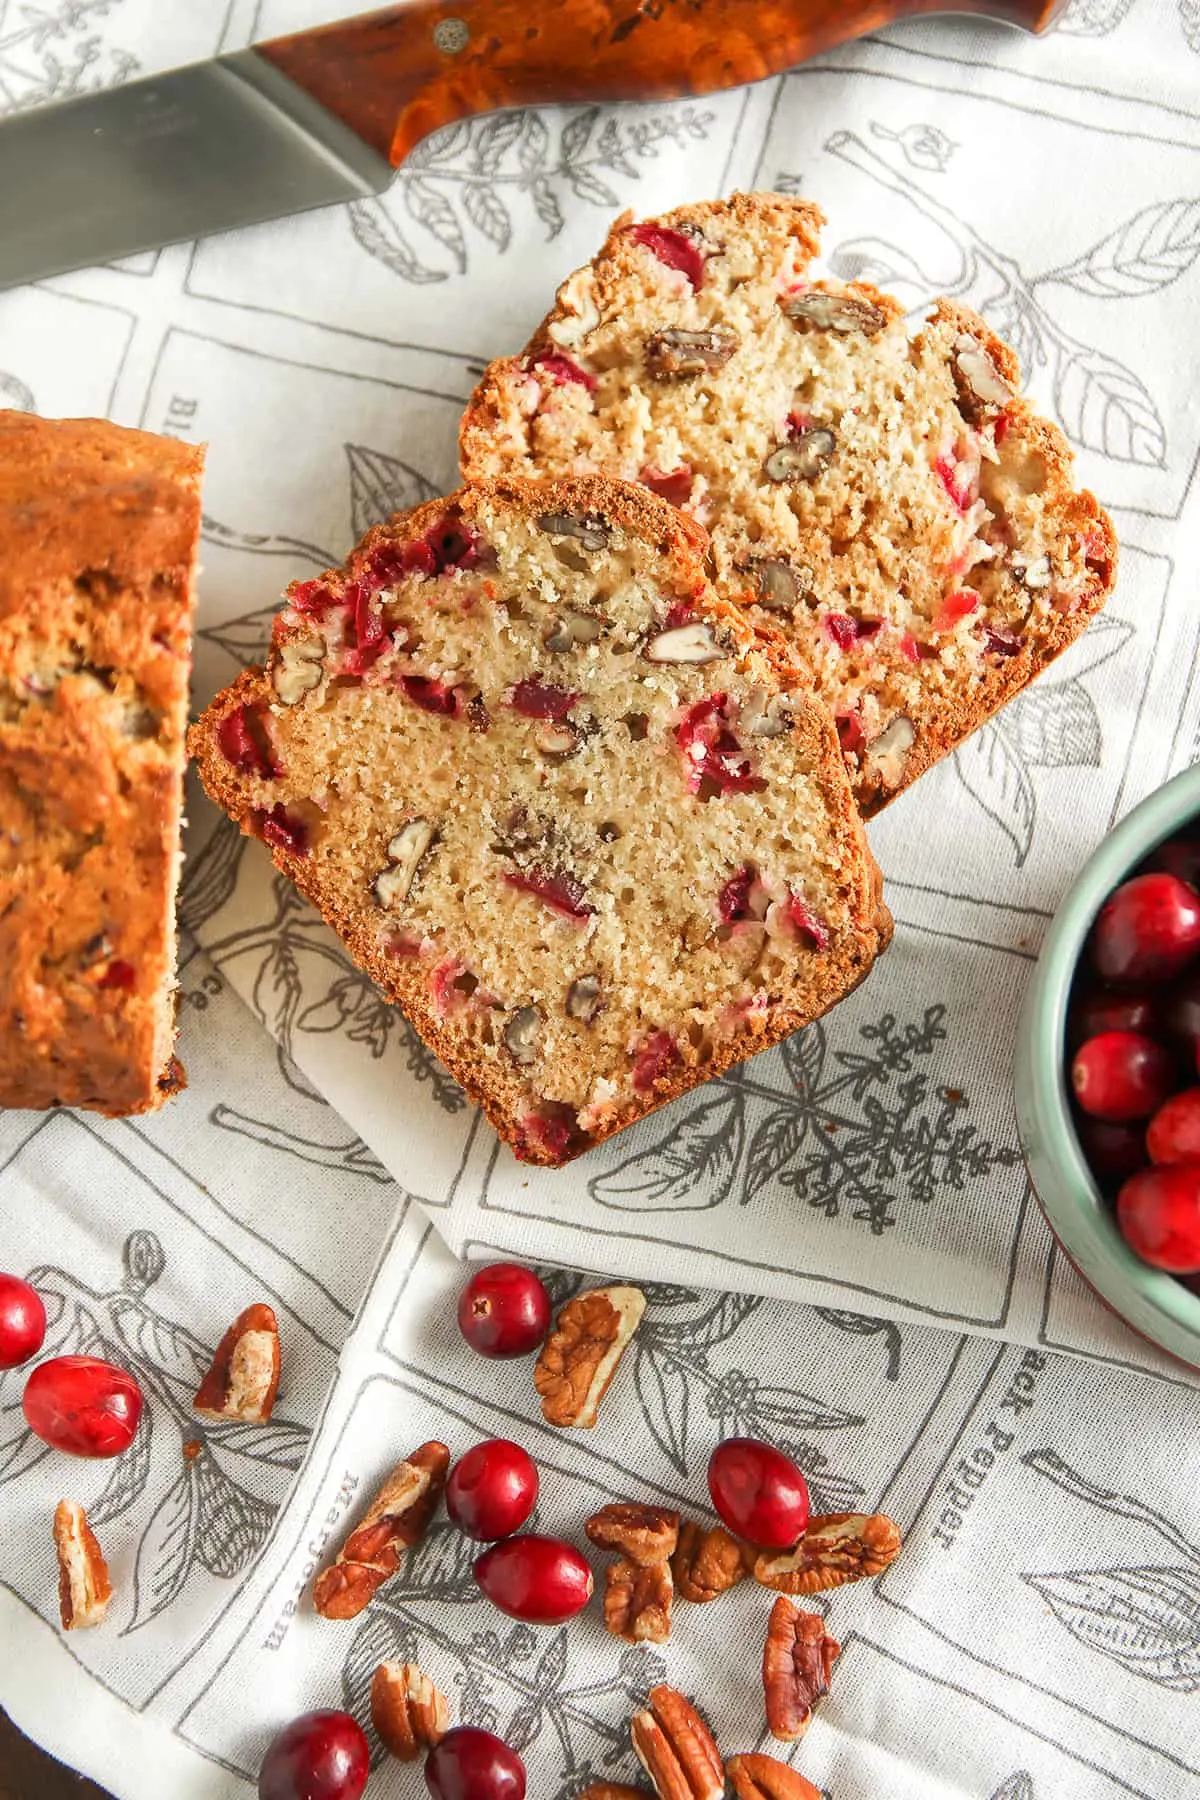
[
  {"x": 763, "y": 1778},
  {"x": 84, "y": 1589},
  {"x": 244, "y": 1376},
  {"x": 836, "y": 1548},
  {"x": 645, "y": 1534},
  {"x": 408, "y": 1712},
  {"x": 637, "y": 1601},
  {"x": 798, "y": 1659},
  {"x": 676, "y": 1748},
  {"x": 708, "y": 1561},
  {"x": 580, "y": 1357},
  {"x": 396, "y": 1519}
]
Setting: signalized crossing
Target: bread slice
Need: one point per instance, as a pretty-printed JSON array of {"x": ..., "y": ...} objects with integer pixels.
[
  {"x": 98, "y": 535},
  {"x": 887, "y": 501},
  {"x": 566, "y": 807}
]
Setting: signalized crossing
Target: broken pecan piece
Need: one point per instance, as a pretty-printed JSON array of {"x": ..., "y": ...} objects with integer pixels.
[
  {"x": 396, "y": 1519},
  {"x": 764, "y": 1778},
  {"x": 637, "y": 1601},
  {"x": 84, "y": 1589},
  {"x": 673, "y": 354},
  {"x": 798, "y": 1659},
  {"x": 408, "y": 1712},
  {"x": 836, "y": 1548},
  {"x": 580, "y": 1357},
  {"x": 708, "y": 1561},
  {"x": 676, "y": 1748},
  {"x": 645, "y": 1534},
  {"x": 244, "y": 1376}
]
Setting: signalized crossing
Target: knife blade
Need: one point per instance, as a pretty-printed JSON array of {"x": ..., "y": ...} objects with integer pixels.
[{"x": 327, "y": 115}]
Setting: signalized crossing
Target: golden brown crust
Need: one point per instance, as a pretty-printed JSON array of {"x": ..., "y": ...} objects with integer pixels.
[
  {"x": 487, "y": 441},
  {"x": 99, "y": 529},
  {"x": 682, "y": 544}
]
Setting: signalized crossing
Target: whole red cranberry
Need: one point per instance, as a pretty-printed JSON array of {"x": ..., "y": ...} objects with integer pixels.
[
  {"x": 1158, "y": 1211},
  {"x": 541, "y": 1580},
  {"x": 1178, "y": 856},
  {"x": 504, "y": 1311},
  {"x": 1173, "y": 1134},
  {"x": 1122, "y": 1075},
  {"x": 83, "y": 1406},
  {"x": 22, "y": 1322},
  {"x": 759, "y": 1492},
  {"x": 470, "y": 1764},
  {"x": 1113, "y": 1151},
  {"x": 1103, "y": 1010},
  {"x": 1147, "y": 931},
  {"x": 492, "y": 1490},
  {"x": 319, "y": 1756}
]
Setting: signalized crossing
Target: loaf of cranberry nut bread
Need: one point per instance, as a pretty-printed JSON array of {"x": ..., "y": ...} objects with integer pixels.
[
  {"x": 98, "y": 534},
  {"x": 570, "y": 811},
  {"x": 886, "y": 500}
]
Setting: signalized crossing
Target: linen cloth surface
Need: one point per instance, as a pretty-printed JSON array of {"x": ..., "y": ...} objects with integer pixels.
[{"x": 840, "y": 1242}]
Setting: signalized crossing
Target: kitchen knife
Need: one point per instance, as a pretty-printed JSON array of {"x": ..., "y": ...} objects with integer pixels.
[{"x": 327, "y": 115}]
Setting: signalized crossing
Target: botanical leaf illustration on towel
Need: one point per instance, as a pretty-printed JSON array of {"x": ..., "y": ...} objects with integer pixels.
[
  {"x": 466, "y": 182},
  {"x": 15, "y": 395},
  {"x": 852, "y": 1125},
  {"x": 1053, "y": 725},
  {"x": 1146, "y": 1617},
  {"x": 53, "y": 52},
  {"x": 1019, "y": 1786},
  {"x": 209, "y": 1510},
  {"x": 505, "y": 1678},
  {"x": 1102, "y": 405},
  {"x": 688, "y": 1395},
  {"x": 923, "y": 146},
  {"x": 1093, "y": 18},
  {"x": 303, "y": 982}
]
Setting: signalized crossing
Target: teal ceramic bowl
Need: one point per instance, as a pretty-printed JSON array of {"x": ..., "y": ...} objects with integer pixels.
[{"x": 1155, "y": 1305}]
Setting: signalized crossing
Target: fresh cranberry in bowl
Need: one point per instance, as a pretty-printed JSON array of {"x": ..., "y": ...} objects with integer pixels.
[
  {"x": 22, "y": 1322},
  {"x": 83, "y": 1406},
  {"x": 1179, "y": 856},
  {"x": 1113, "y": 1150},
  {"x": 492, "y": 1490},
  {"x": 1147, "y": 931},
  {"x": 1123, "y": 933},
  {"x": 759, "y": 1493},
  {"x": 504, "y": 1311},
  {"x": 1158, "y": 1212},
  {"x": 1173, "y": 1134},
  {"x": 1107, "y": 1010},
  {"x": 470, "y": 1764},
  {"x": 319, "y": 1756},
  {"x": 1122, "y": 1075}
]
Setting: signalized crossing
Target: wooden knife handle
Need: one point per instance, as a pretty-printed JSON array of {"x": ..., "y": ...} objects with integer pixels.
[{"x": 394, "y": 76}]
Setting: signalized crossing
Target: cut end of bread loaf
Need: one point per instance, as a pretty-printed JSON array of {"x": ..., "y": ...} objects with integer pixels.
[
  {"x": 581, "y": 821},
  {"x": 99, "y": 529},
  {"x": 884, "y": 498}
]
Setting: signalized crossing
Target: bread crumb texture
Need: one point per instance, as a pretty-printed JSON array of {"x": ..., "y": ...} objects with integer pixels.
[
  {"x": 571, "y": 811},
  {"x": 882, "y": 495},
  {"x": 98, "y": 534}
]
